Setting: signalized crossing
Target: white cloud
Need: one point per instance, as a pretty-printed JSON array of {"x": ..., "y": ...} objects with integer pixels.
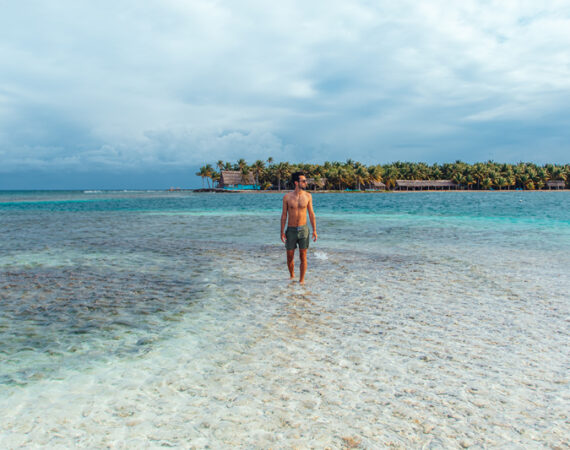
[{"x": 161, "y": 82}]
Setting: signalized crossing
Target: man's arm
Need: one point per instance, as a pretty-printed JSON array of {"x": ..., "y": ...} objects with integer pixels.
[
  {"x": 312, "y": 217},
  {"x": 284, "y": 219}
]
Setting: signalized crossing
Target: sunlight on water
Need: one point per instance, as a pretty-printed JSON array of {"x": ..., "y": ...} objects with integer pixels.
[
  {"x": 137, "y": 321},
  {"x": 321, "y": 256}
]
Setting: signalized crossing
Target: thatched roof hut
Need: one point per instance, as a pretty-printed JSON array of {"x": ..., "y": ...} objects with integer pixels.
[
  {"x": 313, "y": 183},
  {"x": 406, "y": 185},
  {"x": 377, "y": 186},
  {"x": 234, "y": 178},
  {"x": 555, "y": 184}
]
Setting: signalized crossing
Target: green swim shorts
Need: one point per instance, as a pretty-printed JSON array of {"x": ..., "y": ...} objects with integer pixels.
[{"x": 297, "y": 235}]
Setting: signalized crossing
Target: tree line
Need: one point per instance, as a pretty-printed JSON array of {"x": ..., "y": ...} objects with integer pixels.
[{"x": 353, "y": 175}]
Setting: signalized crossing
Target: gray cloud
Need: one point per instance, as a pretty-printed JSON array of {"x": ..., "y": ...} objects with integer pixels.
[{"x": 128, "y": 85}]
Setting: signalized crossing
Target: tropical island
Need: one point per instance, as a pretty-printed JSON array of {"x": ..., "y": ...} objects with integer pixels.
[{"x": 354, "y": 176}]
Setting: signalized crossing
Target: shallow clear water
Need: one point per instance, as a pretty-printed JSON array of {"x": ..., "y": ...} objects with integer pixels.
[{"x": 133, "y": 319}]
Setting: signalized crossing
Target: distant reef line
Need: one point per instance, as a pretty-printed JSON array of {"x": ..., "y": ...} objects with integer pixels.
[{"x": 352, "y": 175}]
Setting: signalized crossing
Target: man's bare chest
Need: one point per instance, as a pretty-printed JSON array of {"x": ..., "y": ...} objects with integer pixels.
[{"x": 298, "y": 203}]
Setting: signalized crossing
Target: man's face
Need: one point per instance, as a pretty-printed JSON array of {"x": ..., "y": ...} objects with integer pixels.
[{"x": 302, "y": 183}]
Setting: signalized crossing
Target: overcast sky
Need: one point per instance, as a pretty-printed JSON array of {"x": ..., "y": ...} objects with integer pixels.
[{"x": 108, "y": 94}]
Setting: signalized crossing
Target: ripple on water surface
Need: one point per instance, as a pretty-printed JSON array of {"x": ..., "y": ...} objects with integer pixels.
[{"x": 137, "y": 329}]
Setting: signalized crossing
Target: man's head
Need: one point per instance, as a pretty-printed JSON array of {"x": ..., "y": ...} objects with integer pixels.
[{"x": 299, "y": 179}]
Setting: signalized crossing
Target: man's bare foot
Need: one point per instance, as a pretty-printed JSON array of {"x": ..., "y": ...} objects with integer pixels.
[{"x": 302, "y": 282}]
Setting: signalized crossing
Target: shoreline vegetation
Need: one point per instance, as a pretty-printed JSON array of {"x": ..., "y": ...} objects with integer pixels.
[
  {"x": 355, "y": 192},
  {"x": 352, "y": 176}
]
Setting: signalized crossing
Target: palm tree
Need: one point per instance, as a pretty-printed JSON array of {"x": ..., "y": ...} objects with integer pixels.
[
  {"x": 361, "y": 175},
  {"x": 283, "y": 171},
  {"x": 240, "y": 164},
  {"x": 258, "y": 169},
  {"x": 524, "y": 180},
  {"x": 458, "y": 178},
  {"x": 208, "y": 170},
  {"x": 391, "y": 174},
  {"x": 478, "y": 173},
  {"x": 512, "y": 181},
  {"x": 202, "y": 174},
  {"x": 343, "y": 177},
  {"x": 447, "y": 171},
  {"x": 542, "y": 176},
  {"x": 557, "y": 173},
  {"x": 332, "y": 176},
  {"x": 375, "y": 173},
  {"x": 502, "y": 182},
  {"x": 415, "y": 173},
  {"x": 245, "y": 175}
]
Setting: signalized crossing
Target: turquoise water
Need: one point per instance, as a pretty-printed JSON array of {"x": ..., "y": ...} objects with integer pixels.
[{"x": 438, "y": 318}]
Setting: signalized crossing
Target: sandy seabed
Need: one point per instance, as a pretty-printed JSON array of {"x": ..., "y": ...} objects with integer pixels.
[{"x": 398, "y": 354}]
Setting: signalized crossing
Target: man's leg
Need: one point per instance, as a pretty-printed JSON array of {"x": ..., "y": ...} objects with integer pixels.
[
  {"x": 291, "y": 262},
  {"x": 303, "y": 267}
]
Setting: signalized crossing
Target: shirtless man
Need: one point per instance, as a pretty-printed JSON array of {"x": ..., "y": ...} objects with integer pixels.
[{"x": 295, "y": 205}]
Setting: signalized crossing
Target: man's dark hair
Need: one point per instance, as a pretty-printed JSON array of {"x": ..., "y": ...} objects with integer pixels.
[{"x": 295, "y": 176}]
